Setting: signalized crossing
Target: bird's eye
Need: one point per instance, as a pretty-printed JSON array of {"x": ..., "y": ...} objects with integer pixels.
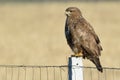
[{"x": 71, "y": 11}]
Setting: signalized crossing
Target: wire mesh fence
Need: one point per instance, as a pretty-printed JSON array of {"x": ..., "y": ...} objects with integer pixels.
[{"x": 22, "y": 72}]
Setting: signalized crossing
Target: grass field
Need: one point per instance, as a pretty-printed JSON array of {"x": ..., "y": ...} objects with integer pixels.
[{"x": 33, "y": 33}]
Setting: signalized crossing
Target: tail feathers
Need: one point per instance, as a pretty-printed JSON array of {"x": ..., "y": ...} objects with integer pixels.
[{"x": 96, "y": 61}]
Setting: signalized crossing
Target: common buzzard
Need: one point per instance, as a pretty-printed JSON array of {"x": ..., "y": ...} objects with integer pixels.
[{"x": 81, "y": 37}]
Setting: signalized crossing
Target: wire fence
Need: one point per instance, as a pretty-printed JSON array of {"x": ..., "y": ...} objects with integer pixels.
[{"x": 28, "y": 72}]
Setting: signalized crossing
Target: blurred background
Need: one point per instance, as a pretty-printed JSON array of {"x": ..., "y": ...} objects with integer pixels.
[{"x": 32, "y": 32}]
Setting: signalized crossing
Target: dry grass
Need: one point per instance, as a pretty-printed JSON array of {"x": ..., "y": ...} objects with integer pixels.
[{"x": 33, "y": 33}]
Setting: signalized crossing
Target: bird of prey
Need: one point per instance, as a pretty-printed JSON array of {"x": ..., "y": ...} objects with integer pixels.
[{"x": 81, "y": 37}]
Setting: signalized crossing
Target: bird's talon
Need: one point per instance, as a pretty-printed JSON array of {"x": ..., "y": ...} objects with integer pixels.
[{"x": 77, "y": 55}]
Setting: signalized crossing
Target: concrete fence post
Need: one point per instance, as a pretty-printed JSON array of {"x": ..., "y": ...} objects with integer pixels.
[{"x": 75, "y": 70}]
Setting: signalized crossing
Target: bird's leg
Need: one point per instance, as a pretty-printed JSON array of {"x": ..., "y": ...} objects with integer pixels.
[{"x": 78, "y": 54}]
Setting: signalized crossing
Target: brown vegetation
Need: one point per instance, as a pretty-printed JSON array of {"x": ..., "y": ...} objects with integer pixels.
[{"x": 33, "y": 33}]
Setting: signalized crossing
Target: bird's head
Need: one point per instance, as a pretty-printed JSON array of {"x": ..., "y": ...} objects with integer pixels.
[{"x": 73, "y": 12}]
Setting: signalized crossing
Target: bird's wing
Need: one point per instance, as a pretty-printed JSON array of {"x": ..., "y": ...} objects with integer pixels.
[
  {"x": 88, "y": 39},
  {"x": 93, "y": 33},
  {"x": 95, "y": 36}
]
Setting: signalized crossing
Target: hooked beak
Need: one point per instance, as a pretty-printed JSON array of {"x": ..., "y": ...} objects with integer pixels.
[{"x": 67, "y": 13}]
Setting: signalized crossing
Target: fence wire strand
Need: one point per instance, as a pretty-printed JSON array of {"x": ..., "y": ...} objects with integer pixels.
[{"x": 31, "y": 72}]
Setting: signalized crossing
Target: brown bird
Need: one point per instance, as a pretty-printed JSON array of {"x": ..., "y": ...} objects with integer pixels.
[{"x": 81, "y": 37}]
